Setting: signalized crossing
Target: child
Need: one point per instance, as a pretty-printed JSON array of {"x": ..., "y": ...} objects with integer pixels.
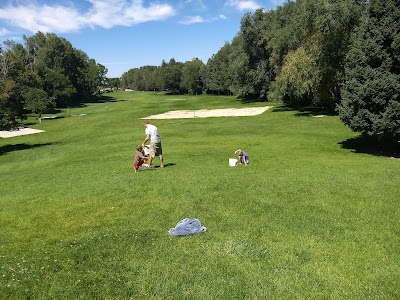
[
  {"x": 139, "y": 158},
  {"x": 243, "y": 157}
]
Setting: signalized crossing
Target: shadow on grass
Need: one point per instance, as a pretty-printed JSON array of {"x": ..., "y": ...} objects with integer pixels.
[
  {"x": 307, "y": 111},
  {"x": 53, "y": 110},
  {"x": 158, "y": 167},
  {"x": 16, "y": 147},
  {"x": 117, "y": 100},
  {"x": 165, "y": 166},
  {"x": 104, "y": 98},
  {"x": 251, "y": 100},
  {"x": 283, "y": 108},
  {"x": 367, "y": 145}
]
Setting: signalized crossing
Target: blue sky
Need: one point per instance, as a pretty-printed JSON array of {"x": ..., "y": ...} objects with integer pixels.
[{"x": 126, "y": 34}]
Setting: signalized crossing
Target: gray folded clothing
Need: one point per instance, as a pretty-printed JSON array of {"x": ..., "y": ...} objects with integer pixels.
[{"x": 187, "y": 226}]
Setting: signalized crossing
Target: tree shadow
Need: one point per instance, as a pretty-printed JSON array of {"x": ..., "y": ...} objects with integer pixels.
[
  {"x": 117, "y": 100},
  {"x": 306, "y": 111},
  {"x": 368, "y": 145},
  {"x": 283, "y": 108},
  {"x": 53, "y": 110},
  {"x": 251, "y": 100},
  {"x": 105, "y": 98},
  {"x": 16, "y": 147},
  {"x": 101, "y": 99}
]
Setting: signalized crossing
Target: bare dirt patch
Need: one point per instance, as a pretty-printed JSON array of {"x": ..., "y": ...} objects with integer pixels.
[
  {"x": 22, "y": 131},
  {"x": 207, "y": 113}
]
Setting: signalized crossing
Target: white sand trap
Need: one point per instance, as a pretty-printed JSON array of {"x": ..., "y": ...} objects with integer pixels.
[
  {"x": 23, "y": 131},
  {"x": 51, "y": 117},
  {"x": 206, "y": 113}
]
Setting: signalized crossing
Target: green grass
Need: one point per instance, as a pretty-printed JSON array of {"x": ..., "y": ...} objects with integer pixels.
[{"x": 307, "y": 219}]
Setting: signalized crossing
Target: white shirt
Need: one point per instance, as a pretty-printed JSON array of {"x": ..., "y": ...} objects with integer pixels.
[{"x": 153, "y": 132}]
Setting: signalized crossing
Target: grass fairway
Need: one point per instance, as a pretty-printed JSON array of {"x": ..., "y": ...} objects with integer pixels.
[{"x": 307, "y": 219}]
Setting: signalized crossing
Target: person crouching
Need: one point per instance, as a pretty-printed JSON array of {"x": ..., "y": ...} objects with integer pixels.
[
  {"x": 243, "y": 156},
  {"x": 139, "y": 158}
]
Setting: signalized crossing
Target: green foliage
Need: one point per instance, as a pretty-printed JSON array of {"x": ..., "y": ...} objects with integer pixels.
[
  {"x": 11, "y": 104},
  {"x": 171, "y": 75},
  {"x": 114, "y": 82},
  {"x": 37, "y": 100},
  {"x": 168, "y": 76},
  {"x": 46, "y": 67},
  {"x": 141, "y": 79},
  {"x": 371, "y": 92},
  {"x": 58, "y": 87},
  {"x": 192, "y": 73},
  {"x": 298, "y": 80},
  {"x": 253, "y": 79},
  {"x": 217, "y": 77}
]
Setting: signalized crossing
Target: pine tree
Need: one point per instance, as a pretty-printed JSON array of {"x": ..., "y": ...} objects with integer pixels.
[{"x": 371, "y": 91}]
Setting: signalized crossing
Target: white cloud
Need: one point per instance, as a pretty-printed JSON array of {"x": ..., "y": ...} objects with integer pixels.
[
  {"x": 42, "y": 18},
  {"x": 199, "y": 19},
  {"x": 103, "y": 13},
  {"x": 192, "y": 20},
  {"x": 3, "y": 31},
  {"x": 243, "y": 5}
]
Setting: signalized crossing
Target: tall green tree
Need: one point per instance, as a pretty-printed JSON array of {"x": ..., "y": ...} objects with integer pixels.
[
  {"x": 114, "y": 82},
  {"x": 298, "y": 80},
  {"x": 37, "y": 100},
  {"x": 192, "y": 76},
  {"x": 11, "y": 104},
  {"x": 253, "y": 78},
  {"x": 11, "y": 101},
  {"x": 171, "y": 73},
  {"x": 315, "y": 34},
  {"x": 371, "y": 91},
  {"x": 218, "y": 77},
  {"x": 44, "y": 71}
]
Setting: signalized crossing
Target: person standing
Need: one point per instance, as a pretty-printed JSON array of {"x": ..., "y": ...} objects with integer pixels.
[{"x": 153, "y": 136}]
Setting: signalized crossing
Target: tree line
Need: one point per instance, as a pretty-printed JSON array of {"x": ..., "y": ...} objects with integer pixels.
[
  {"x": 44, "y": 72},
  {"x": 339, "y": 55}
]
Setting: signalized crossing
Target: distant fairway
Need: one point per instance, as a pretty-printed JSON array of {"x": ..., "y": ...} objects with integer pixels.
[{"x": 307, "y": 219}]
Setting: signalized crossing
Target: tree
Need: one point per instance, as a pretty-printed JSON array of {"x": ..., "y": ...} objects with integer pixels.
[
  {"x": 298, "y": 80},
  {"x": 253, "y": 78},
  {"x": 37, "y": 100},
  {"x": 58, "y": 87},
  {"x": 11, "y": 104},
  {"x": 310, "y": 37},
  {"x": 371, "y": 91},
  {"x": 171, "y": 75},
  {"x": 192, "y": 74},
  {"x": 218, "y": 77},
  {"x": 114, "y": 82},
  {"x": 5, "y": 63}
]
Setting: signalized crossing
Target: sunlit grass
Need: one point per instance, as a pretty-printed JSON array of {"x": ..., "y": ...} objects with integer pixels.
[{"x": 306, "y": 219}]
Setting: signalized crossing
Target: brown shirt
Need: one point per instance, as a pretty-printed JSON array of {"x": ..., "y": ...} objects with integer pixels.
[{"x": 139, "y": 157}]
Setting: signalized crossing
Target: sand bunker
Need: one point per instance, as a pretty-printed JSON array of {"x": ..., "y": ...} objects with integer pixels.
[
  {"x": 207, "y": 113},
  {"x": 23, "y": 131}
]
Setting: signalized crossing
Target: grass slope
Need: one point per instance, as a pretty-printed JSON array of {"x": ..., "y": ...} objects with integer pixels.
[{"x": 306, "y": 219}]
